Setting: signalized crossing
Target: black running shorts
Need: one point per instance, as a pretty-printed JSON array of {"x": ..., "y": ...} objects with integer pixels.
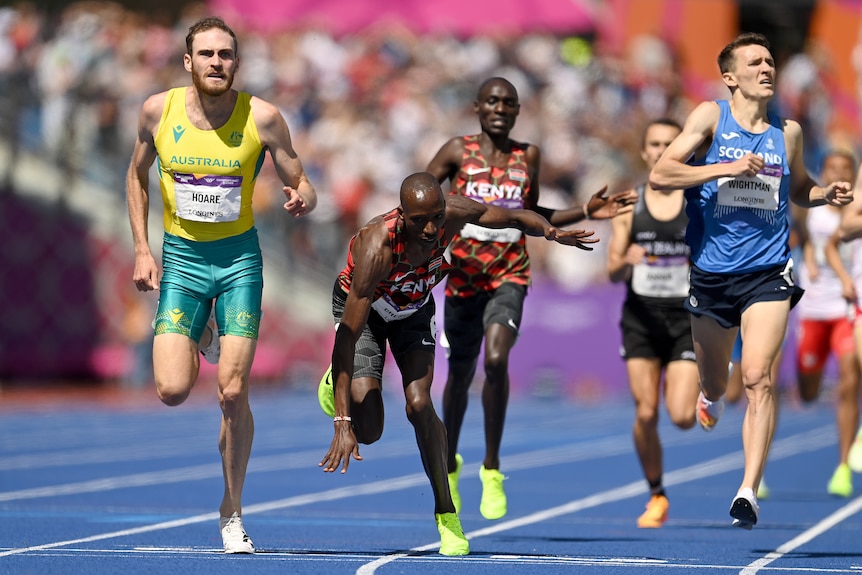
[
  {"x": 651, "y": 331},
  {"x": 465, "y": 319},
  {"x": 416, "y": 331}
]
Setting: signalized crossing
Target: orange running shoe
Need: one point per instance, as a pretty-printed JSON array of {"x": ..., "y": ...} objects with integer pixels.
[{"x": 656, "y": 512}]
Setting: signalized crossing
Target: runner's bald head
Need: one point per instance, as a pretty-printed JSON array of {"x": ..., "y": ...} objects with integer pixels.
[
  {"x": 421, "y": 191},
  {"x": 486, "y": 86}
]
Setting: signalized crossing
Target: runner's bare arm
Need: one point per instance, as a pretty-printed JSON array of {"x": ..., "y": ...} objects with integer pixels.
[
  {"x": 146, "y": 273},
  {"x": 372, "y": 257},
  {"x": 275, "y": 136}
]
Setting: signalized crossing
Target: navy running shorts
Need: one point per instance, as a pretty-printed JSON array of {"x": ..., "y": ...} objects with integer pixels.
[{"x": 724, "y": 297}]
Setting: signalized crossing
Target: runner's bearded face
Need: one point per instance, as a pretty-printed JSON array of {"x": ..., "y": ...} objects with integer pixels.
[{"x": 213, "y": 62}]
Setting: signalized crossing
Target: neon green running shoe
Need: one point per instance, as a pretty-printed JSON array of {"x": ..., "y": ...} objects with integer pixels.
[
  {"x": 493, "y": 505},
  {"x": 763, "y": 491},
  {"x": 452, "y": 538},
  {"x": 841, "y": 483},
  {"x": 326, "y": 393},
  {"x": 453, "y": 482}
]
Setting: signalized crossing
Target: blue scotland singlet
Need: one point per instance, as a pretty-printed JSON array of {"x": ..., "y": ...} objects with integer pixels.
[{"x": 741, "y": 224}]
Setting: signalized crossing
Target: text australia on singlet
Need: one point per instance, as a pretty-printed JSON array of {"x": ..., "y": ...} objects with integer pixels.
[{"x": 205, "y": 197}]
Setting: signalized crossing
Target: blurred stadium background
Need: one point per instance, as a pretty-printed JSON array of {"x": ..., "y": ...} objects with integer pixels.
[{"x": 371, "y": 89}]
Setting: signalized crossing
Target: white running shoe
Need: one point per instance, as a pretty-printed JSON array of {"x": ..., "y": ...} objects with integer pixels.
[
  {"x": 744, "y": 509},
  {"x": 212, "y": 352},
  {"x": 233, "y": 535}
]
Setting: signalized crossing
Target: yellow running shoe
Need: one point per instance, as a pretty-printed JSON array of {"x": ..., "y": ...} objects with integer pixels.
[
  {"x": 452, "y": 539},
  {"x": 493, "y": 505},
  {"x": 841, "y": 483},
  {"x": 453, "y": 482},
  {"x": 763, "y": 491},
  {"x": 326, "y": 393},
  {"x": 656, "y": 512}
]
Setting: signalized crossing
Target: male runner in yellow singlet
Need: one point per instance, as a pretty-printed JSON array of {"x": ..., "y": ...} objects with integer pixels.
[{"x": 210, "y": 141}]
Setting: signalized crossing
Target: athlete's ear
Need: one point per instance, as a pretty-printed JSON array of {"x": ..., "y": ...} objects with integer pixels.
[{"x": 729, "y": 80}]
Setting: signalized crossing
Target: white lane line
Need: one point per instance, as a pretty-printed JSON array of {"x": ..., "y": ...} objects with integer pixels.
[
  {"x": 793, "y": 445},
  {"x": 607, "y": 447},
  {"x": 382, "y": 486},
  {"x": 303, "y": 459},
  {"x": 121, "y": 450},
  {"x": 555, "y": 455},
  {"x": 819, "y": 529},
  {"x": 113, "y": 534},
  {"x": 804, "y": 441},
  {"x": 298, "y": 460},
  {"x": 439, "y": 561},
  {"x": 94, "y": 456}
]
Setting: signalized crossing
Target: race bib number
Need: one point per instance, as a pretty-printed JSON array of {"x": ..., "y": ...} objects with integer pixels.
[
  {"x": 390, "y": 311},
  {"x": 502, "y": 235},
  {"x": 758, "y": 192},
  {"x": 208, "y": 198},
  {"x": 665, "y": 280}
]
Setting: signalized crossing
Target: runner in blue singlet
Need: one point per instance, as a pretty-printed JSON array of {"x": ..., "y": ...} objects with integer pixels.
[{"x": 741, "y": 166}]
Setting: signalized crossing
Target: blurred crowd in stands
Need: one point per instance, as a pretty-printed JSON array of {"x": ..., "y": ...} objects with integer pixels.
[{"x": 364, "y": 110}]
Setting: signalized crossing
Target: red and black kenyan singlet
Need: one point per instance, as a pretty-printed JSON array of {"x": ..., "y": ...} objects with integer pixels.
[
  {"x": 483, "y": 258},
  {"x": 407, "y": 287}
]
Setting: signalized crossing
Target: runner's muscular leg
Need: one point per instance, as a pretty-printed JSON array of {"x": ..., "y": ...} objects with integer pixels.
[
  {"x": 237, "y": 424},
  {"x": 847, "y": 408},
  {"x": 455, "y": 399},
  {"x": 713, "y": 346},
  {"x": 499, "y": 340},
  {"x": 464, "y": 335},
  {"x": 176, "y": 363},
  {"x": 417, "y": 372},
  {"x": 366, "y": 409},
  {"x": 764, "y": 325},
  {"x": 645, "y": 382},
  {"x": 680, "y": 392}
]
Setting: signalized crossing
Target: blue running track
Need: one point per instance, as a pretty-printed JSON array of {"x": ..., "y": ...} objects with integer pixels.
[{"x": 133, "y": 487}]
